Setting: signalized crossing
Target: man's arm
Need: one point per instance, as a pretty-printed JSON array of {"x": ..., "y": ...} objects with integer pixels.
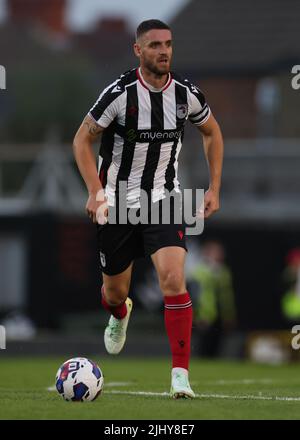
[
  {"x": 87, "y": 133},
  {"x": 213, "y": 149}
]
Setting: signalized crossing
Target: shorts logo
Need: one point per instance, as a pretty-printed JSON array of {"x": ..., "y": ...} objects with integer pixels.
[
  {"x": 180, "y": 233},
  {"x": 181, "y": 110},
  {"x": 102, "y": 259}
]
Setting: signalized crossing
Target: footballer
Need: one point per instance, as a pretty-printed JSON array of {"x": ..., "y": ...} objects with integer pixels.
[{"x": 141, "y": 117}]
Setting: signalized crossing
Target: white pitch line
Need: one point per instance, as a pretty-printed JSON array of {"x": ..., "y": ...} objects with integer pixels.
[
  {"x": 248, "y": 397},
  {"x": 118, "y": 384},
  {"x": 108, "y": 384},
  {"x": 51, "y": 389},
  {"x": 200, "y": 396},
  {"x": 241, "y": 382},
  {"x": 209, "y": 396},
  {"x": 137, "y": 393}
]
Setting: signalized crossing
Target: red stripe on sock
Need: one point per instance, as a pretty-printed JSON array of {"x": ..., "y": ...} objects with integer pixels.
[
  {"x": 178, "y": 322},
  {"x": 119, "y": 311}
]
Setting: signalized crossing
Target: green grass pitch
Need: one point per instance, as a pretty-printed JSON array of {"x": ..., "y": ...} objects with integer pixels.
[{"x": 225, "y": 390}]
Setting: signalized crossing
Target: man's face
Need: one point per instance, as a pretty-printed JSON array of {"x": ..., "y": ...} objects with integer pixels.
[{"x": 154, "y": 49}]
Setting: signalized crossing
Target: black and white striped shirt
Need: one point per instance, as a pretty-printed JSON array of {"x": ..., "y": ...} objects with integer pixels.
[{"x": 143, "y": 133}]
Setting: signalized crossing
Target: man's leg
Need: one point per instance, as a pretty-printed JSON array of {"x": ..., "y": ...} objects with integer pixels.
[
  {"x": 169, "y": 263},
  {"x": 115, "y": 300},
  {"x": 115, "y": 292}
]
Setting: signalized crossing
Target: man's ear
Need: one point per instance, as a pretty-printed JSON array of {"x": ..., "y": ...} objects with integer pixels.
[{"x": 137, "y": 49}]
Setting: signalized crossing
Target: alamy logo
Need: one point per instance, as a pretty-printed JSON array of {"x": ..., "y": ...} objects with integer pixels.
[
  {"x": 296, "y": 339},
  {"x": 2, "y": 338},
  {"x": 296, "y": 78},
  {"x": 174, "y": 208},
  {"x": 2, "y": 78}
]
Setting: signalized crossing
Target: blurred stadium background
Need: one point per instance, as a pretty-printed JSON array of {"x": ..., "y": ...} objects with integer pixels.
[{"x": 243, "y": 272}]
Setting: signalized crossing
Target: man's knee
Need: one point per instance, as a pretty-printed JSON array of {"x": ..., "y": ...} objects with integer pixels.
[{"x": 172, "y": 282}]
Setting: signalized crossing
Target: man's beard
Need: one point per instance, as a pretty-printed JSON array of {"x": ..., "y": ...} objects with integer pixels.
[{"x": 156, "y": 70}]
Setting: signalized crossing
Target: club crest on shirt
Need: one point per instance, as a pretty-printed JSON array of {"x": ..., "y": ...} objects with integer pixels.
[{"x": 181, "y": 110}]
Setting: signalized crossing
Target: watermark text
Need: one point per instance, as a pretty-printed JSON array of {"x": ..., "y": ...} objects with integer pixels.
[
  {"x": 2, "y": 338},
  {"x": 174, "y": 208},
  {"x": 2, "y": 78},
  {"x": 296, "y": 339},
  {"x": 296, "y": 78}
]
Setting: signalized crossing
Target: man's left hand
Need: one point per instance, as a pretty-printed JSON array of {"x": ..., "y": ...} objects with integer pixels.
[{"x": 211, "y": 202}]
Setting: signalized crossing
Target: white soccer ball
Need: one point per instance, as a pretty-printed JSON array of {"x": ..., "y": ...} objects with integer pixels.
[{"x": 79, "y": 380}]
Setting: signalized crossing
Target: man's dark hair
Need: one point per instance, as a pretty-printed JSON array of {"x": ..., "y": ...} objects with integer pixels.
[{"x": 148, "y": 25}]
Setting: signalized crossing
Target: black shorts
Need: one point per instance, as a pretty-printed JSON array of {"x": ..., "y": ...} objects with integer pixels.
[{"x": 120, "y": 244}]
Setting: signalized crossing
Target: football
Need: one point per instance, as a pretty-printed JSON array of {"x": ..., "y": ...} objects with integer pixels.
[{"x": 79, "y": 380}]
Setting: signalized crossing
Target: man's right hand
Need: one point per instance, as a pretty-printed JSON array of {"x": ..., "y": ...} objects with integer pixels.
[{"x": 97, "y": 207}]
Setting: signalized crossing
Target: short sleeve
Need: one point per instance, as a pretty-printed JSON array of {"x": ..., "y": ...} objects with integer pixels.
[
  {"x": 199, "y": 110},
  {"x": 106, "y": 108}
]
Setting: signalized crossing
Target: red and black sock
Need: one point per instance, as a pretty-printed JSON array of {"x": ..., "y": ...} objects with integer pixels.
[
  {"x": 119, "y": 311},
  {"x": 178, "y": 322}
]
